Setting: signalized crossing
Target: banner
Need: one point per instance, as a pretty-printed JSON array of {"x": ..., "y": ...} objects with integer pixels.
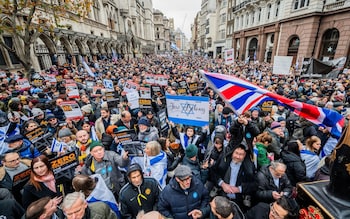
[
  {"x": 161, "y": 80},
  {"x": 64, "y": 162},
  {"x": 108, "y": 84},
  {"x": 72, "y": 91},
  {"x": 282, "y": 64},
  {"x": 188, "y": 110},
  {"x": 23, "y": 84},
  {"x": 133, "y": 99},
  {"x": 229, "y": 56},
  {"x": 149, "y": 78},
  {"x": 71, "y": 110},
  {"x": 145, "y": 103},
  {"x": 145, "y": 92},
  {"x": 51, "y": 78},
  {"x": 20, "y": 179}
]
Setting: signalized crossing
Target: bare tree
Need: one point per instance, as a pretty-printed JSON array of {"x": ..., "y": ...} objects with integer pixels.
[{"x": 25, "y": 20}]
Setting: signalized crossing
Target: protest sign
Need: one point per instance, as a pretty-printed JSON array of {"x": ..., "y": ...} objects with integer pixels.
[
  {"x": 145, "y": 92},
  {"x": 149, "y": 78},
  {"x": 71, "y": 110},
  {"x": 23, "y": 84},
  {"x": 188, "y": 110},
  {"x": 162, "y": 120},
  {"x": 113, "y": 103},
  {"x": 181, "y": 91},
  {"x": 35, "y": 134},
  {"x": 72, "y": 90},
  {"x": 193, "y": 86},
  {"x": 20, "y": 179},
  {"x": 126, "y": 136},
  {"x": 145, "y": 103},
  {"x": 267, "y": 106},
  {"x": 133, "y": 99},
  {"x": 135, "y": 148},
  {"x": 161, "y": 80},
  {"x": 59, "y": 78},
  {"x": 282, "y": 64},
  {"x": 90, "y": 84},
  {"x": 51, "y": 78},
  {"x": 64, "y": 162},
  {"x": 37, "y": 82},
  {"x": 108, "y": 85},
  {"x": 229, "y": 56}
]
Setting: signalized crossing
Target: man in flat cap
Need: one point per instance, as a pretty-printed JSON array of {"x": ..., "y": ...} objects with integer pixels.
[
  {"x": 184, "y": 197},
  {"x": 24, "y": 147}
]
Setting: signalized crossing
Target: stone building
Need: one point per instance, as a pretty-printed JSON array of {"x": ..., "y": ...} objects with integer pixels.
[
  {"x": 298, "y": 28},
  {"x": 123, "y": 28}
]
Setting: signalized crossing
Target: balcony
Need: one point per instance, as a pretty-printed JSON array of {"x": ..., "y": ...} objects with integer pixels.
[
  {"x": 334, "y": 5},
  {"x": 243, "y": 4}
]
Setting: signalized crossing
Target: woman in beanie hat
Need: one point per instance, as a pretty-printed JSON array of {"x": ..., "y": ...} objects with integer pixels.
[{"x": 191, "y": 160}]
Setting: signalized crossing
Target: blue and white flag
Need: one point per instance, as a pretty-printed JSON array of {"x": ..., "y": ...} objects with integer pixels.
[
  {"x": 188, "y": 110},
  {"x": 57, "y": 146},
  {"x": 174, "y": 47},
  {"x": 87, "y": 68},
  {"x": 4, "y": 134},
  {"x": 101, "y": 193},
  {"x": 114, "y": 56}
]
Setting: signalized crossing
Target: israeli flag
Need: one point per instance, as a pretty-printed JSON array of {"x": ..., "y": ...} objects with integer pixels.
[
  {"x": 4, "y": 134},
  {"x": 101, "y": 193},
  {"x": 87, "y": 68}
]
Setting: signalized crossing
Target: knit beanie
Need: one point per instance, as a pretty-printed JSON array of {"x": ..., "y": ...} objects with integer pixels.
[
  {"x": 191, "y": 151},
  {"x": 275, "y": 125},
  {"x": 95, "y": 144}
]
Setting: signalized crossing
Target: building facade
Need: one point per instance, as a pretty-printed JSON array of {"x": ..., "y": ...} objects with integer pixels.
[
  {"x": 301, "y": 28},
  {"x": 120, "y": 28}
]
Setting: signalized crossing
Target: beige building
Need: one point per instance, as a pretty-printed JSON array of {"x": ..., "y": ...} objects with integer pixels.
[{"x": 125, "y": 28}]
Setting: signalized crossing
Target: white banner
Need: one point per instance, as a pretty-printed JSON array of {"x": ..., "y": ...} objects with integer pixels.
[
  {"x": 71, "y": 110},
  {"x": 23, "y": 84},
  {"x": 282, "y": 64},
  {"x": 229, "y": 56},
  {"x": 188, "y": 110},
  {"x": 108, "y": 84},
  {"x": 133, "y": 99}
]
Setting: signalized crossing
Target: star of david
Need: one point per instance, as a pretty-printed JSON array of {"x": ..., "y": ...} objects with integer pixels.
[{"x": 187, "y": 108}]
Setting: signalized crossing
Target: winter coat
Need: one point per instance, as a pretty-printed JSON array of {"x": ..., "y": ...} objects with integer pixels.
[
  {"x": 197, "y": 171},
  {"x": 154, "y": 166},
  {"x": 99, "y": 126},
  {"x": 99, "y": 210},
  {"x": 27, "y": 150},
  {"x": 130, "y": 201},
  {"x": 263, "y": 160},
  {"x": 151, "y": 134},
  {"x": 112, "y": 162},
  {"x": 239, "y": 132},
  {"x": 296, "y": 169},
  {"x": 266, "y": 185},
  {"x": 174, "y": 202},
  {"x": 31, "y": 194}
]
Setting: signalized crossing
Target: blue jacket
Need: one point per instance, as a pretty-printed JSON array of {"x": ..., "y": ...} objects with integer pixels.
[
  {"x": 28, "y": 150},
  {"x": 176, "y": 203}
]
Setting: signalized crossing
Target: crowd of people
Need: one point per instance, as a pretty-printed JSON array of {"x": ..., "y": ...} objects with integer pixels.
[{"x": 238, "y": 166}]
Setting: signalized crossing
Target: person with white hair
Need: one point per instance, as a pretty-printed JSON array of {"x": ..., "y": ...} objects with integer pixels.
[{"x": 75, "y": 206}]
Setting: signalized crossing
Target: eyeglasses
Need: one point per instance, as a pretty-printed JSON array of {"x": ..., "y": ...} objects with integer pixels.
[
  {"x": 274, "y": 213},
  {"x": 13, "y": 161}
]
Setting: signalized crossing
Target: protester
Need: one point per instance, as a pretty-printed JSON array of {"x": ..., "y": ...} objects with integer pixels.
[{"x": 139, "y": 194}]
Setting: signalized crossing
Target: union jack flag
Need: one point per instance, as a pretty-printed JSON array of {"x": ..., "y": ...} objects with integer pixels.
[{"x": 243, "y": 95}]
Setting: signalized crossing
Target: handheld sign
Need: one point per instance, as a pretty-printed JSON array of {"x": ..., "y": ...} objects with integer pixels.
[
  {"x": 20, "y": 179},
  {"x": 64, "y": 162}
]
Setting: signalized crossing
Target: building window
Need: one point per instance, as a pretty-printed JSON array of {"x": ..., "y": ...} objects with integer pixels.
[
  {"x": 247, "y": 19},
  {"x": 253, "y": 17},
  {"x": 277, "y": 8},
  {"x": 329, "y": 44},
  {"x": 268, "y": 11},
  {"x": 9, "y": 43},
  {"x": 259, "y": 15}
]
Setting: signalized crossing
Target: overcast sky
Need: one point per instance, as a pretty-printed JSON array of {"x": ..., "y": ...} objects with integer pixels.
[{"x": 183, "y": 12}]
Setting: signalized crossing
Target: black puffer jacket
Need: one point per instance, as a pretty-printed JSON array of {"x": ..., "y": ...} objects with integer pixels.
[
  {"x": 174, "y": 202},
  {"x": 266, "y": 185},
  {"x": 296, "y": 169}
]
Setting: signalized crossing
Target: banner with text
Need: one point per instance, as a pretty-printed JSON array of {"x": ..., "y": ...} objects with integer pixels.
[
  {"x": 282, "y": 64},
  {"x": 188, "y": 110}
]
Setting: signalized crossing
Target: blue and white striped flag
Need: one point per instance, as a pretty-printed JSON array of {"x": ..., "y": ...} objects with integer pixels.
[{"x": 101, "y": 193}]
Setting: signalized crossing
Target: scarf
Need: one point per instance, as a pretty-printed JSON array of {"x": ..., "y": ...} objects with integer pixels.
[{"x": 48, "y": 180}]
